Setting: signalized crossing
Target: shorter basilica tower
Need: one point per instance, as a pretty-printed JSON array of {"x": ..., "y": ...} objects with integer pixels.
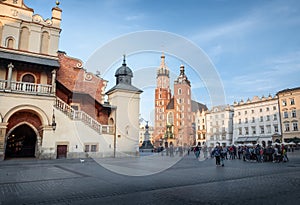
[{"x": 126, "y": 98}]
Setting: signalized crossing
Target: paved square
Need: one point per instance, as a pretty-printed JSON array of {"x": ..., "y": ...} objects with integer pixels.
[{"x": 187, "y": 182}]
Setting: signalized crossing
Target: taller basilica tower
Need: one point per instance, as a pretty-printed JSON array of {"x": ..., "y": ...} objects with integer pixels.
[{"x": 162, "y": 98}]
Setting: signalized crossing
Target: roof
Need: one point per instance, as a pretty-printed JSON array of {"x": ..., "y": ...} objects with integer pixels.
[
  {"x": 29, "y": 59},
  {"x": 125, "y": 87},
  {"x": 198, "y": 106},
  {"x": 288, "y": 90},
  {"x": 170, "y": 105}
]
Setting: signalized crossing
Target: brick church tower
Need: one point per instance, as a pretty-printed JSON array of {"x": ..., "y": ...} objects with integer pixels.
[
  {"x": 174, "y": 114},
  {"x": 162, "y": 98}
]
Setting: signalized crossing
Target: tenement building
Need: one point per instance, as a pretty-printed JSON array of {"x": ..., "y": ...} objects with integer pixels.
[
  {"x": 51, "y": 107},
  {"x": 256, "y": 120},
  {"x": 289, "y": 104},
  {"x": 174, "y": 119},
  {"x": 219, "y": 125}
]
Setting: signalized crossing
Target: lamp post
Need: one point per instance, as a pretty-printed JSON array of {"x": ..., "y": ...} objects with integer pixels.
[{"x": 53, "y": 122}]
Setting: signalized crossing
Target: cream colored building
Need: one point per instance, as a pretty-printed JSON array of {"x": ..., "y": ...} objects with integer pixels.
[
  {"x": 289, "y": 104},
  {"x": 42, "y": 113},
  {"x": 256, "y": 120},
  {"x": 219, "y": 126}
]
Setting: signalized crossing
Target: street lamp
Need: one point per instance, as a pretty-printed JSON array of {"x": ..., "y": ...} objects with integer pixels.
[{"x": 53, "y": 122}]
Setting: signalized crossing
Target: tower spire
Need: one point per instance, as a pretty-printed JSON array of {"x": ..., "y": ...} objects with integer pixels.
[{"x": 124, "y": 60}]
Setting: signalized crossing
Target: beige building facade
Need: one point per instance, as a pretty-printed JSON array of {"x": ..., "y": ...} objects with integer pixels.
[{"x": 289, "y": 105}]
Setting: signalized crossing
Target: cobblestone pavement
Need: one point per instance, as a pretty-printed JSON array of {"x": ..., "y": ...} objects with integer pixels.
[{"x": 30, "y": 181}]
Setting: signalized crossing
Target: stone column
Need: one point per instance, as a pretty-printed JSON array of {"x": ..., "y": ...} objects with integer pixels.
[
  {"x": 3, "y": 127},
  {"x": 53, "y": 81},
  {"x": 9, "y": 76}
]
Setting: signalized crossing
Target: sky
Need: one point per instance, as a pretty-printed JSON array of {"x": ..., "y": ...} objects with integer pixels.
[{"x": 254, "y": 46}]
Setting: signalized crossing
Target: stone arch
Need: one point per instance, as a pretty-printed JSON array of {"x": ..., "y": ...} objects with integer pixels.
[
  {"x": 24, "y": 38},
  {"x": 10, "y": 42},
  {"x": 45, "y": 39},
  {"x": 39, "y": 112},
  {"x": 1, "y": 118},
  {"x": 26, "y": 74},
  {"x": 38, "y": 142}
]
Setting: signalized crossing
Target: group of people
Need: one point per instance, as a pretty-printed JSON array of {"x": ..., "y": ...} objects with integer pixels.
[{"x": 258, "y": 153}]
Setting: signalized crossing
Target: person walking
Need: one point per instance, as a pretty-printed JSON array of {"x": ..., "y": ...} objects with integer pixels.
[{"x": 216, "y": 153}]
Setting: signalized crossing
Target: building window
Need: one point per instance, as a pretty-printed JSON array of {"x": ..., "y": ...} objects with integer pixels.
[
  {"x": 203, "y": 127},
  {"x": 295, "y": 126},
  {"x": 240, "y": 131},
  {"x": 252, "y": 111},
  {"x": 262, "y": 130},
  {"x": 287, "y": 127},
  {"x": 24, "y": 38},
  {"x": 204, "y": 136},
  {"x": 246, "y": 131},
  {"x": 170, "y": 118},
  {"x": 93, "y": 148},
  {"x": 294, "y": 113},
  {"x": 45, "y": 42},
  {"x": 267, "y": 109},
  {"x": 223, "y": 122},
  {"x": 179, "y": 91},
  {"x": 87, "y": 148},
  {"x": 261, "y": 118},
  {"x": 253, "y": 130},
  {"x": 28, "y": 78},
  {"x": 274, "y": 107},
  {"x": 239, "y": 113},
  {"x": 285, "y": 114},
  {"x": 268, "y": 128},
  {"x": 246, "y": 120},
  {"x": 199, "y": 136},
  {"x": 253, "y": 119},
  {"x": 276, "y": 128},
  {"x": 260, "y": 110},
  {"x": 240, "y": 121},
  {"x": 268, "y": 117},
  {"x": 292, "y": 101},
  {"x": 10, "y": 43},
  {"x": 283, "y": 102},
  {"x": 245, "y": 112},
  {"x": 275, "y": 117}
]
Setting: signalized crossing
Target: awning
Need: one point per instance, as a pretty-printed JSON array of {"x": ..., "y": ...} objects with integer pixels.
[
  {"x": 246, "y": 139},
  {"x": 29, "y": 59}
]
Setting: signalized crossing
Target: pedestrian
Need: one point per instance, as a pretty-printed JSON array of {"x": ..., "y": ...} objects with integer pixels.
[
  {"x": 223, "y": 152},
  {"x": 216, "y": 153},
  {"x": 197, "y": 151}
]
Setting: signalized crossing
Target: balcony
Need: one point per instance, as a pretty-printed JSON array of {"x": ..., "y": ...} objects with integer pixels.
[{"x": 26, "y": 88}]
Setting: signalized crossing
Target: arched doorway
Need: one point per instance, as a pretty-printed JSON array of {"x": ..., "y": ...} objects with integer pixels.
[{"x": 21, "y": 142}]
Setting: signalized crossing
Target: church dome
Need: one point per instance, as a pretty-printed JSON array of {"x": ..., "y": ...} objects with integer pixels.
[{"x": 124, "y": 70}]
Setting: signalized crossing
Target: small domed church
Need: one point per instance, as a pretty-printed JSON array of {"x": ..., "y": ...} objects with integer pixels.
[{"x": 174, "y": 114}]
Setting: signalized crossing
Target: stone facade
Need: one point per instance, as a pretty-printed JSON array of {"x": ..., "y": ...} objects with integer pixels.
[
  {"x": 289, "y": 104},
  {"x": 219, "y": 126},
  {"x": 256, "y": 120}
]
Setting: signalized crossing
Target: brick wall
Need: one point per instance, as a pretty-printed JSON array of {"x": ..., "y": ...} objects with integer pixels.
[{"x": 24, "y": 116}]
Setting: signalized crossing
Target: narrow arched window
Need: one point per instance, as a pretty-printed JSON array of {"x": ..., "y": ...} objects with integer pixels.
[
  {"x": 1, "y": 30},
  {"x": 45, "y": 42},
  {"x": 10, "y": 42},
  {"x": 24, "y": 39},
  {"x": 170, "y": 118}
]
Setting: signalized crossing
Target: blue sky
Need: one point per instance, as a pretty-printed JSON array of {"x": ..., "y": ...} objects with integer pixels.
[{"x": 254, "y": 45}]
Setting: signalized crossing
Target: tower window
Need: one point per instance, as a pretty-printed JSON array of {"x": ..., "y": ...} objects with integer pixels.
[{"x": 179, "y": 91}]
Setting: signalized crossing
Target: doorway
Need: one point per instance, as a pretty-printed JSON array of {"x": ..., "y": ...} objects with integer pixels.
[
  {"x": 62, "y": 151},
  {"x": 21, "y": 142}
]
